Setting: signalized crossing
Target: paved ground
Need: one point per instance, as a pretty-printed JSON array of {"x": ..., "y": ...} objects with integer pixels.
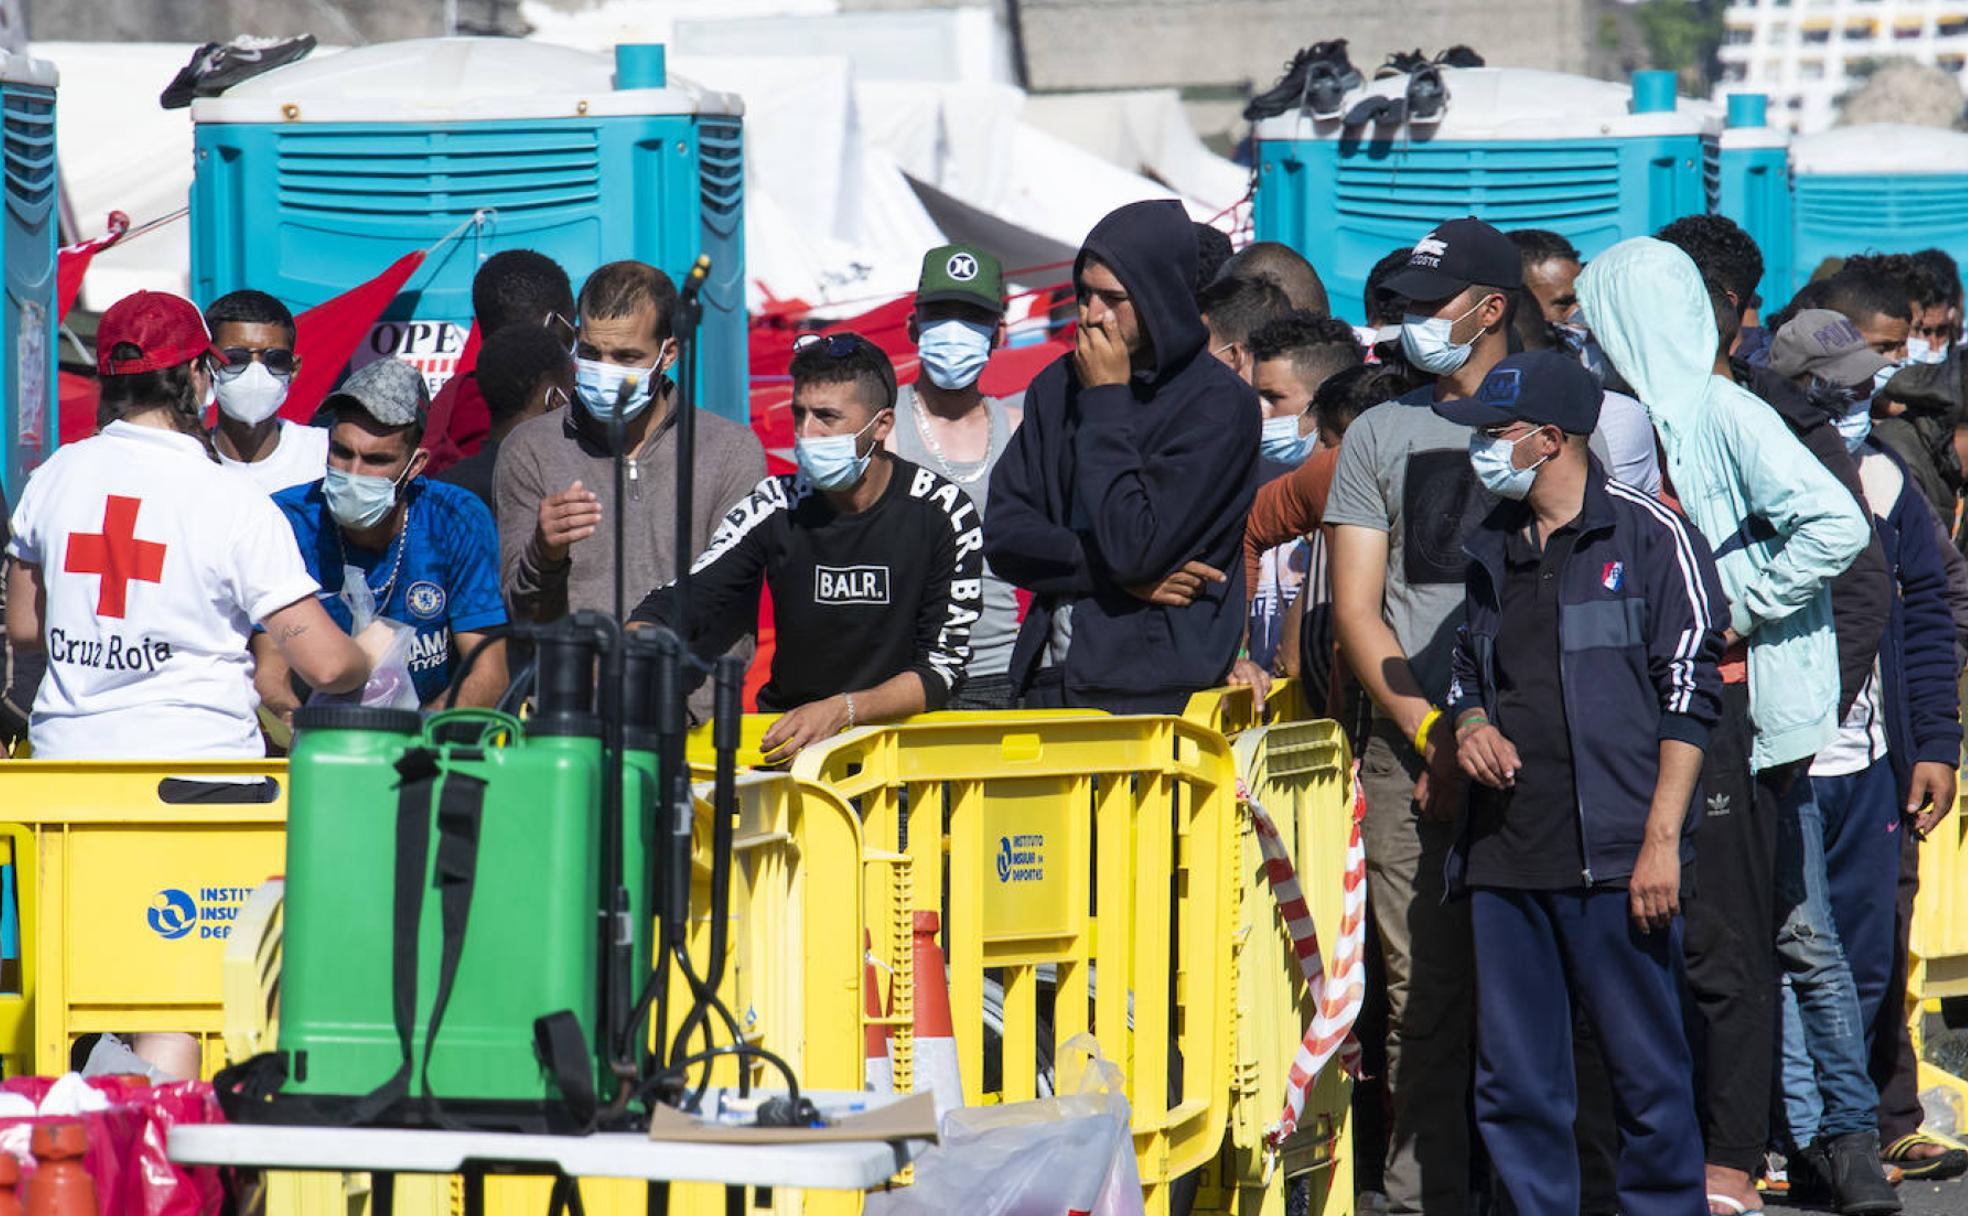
[{"x": 1920, "y": 1198}]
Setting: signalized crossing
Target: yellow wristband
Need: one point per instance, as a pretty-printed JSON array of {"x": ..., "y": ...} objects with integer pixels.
[{"x": 1421, "y": 732}]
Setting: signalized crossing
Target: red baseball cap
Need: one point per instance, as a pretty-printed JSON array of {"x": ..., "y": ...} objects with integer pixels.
[{"x": 167, "y": 329}]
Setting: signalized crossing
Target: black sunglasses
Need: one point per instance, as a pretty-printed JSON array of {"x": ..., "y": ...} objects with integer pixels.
[
  {"x": 834, "y": 346},
  {"x": 278, "y": 359}
]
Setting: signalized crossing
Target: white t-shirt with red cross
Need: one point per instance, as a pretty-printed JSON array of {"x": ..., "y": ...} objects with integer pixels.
[{"x": 157, "y": 564}]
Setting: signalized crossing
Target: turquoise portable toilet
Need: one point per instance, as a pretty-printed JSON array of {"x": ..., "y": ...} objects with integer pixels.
[
  {"x": 1755, "y": 189},
  {"x": 27, "y": 317},
  {"x": 316, "y": 177},
  {"x": 1877, "y": 188},
  {"x": 1519, "y": 148}
]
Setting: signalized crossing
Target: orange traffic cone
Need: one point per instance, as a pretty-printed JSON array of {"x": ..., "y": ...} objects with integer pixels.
[
  {"x": 936, "y": 1043},
  {"x": 9, "y": 1185},
  {"x": 878, "y": 1071},
  {"x": 60, "y": 1187}
]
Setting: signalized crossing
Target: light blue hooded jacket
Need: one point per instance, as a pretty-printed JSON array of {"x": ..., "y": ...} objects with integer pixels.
[{"x": 1733, "y": 461}]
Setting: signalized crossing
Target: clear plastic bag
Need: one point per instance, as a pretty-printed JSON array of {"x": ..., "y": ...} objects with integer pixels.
[
  {"x": 1063, "y": 1156},
  {"x": 388, "y": 644}
]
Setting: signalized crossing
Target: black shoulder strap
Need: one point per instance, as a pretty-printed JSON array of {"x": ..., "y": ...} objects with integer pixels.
[
  {"x": 245, "y": 1089},
  {"x": 460, "y": 814}
]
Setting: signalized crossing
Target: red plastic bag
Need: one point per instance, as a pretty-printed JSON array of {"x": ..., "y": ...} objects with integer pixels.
[{"x": 126, "y": 1154}]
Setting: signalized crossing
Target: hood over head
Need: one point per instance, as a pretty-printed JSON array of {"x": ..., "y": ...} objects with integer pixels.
[
  {"x": 1650, "y": 313},
  {"x": 1151, "y": 248}
]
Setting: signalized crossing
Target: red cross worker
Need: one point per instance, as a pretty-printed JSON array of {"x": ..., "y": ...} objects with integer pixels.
[{"x": 141, "y": 566}]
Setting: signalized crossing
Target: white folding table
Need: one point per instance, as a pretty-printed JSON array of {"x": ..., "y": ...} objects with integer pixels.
[{"x": 385, "y": 1152}]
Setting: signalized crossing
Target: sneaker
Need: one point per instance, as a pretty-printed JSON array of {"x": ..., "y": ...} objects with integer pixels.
[
  {"x": 1400, "y": 64},
  {"x": 1459, "y": 56},
  {"x": 1317, "y": 79},
  {"x": 1427, "y": 96},
  {"x": 178, "y": 94},
  {"x": 1858, "y": 1180},
  {"x": 1807, "y": 1173},
  {"x": 246, "y": 57},
  {"x": 1334, "y": 52}
]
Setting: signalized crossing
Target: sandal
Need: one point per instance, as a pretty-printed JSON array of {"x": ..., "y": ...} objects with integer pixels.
[
  {"x": 1734, "y": 1207},
  {"x": 1951, "y": 1162}
]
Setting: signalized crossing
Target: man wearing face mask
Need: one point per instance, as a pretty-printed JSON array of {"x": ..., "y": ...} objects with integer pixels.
[
  {"x": 555, "y": 476},
  {"x": 1284, "y": 548},
  {"x": 1889, "y": 776},
  {"x": 1120, "y": 504},
  {"x": 1403, "y": 499},
  {"x": 1234, "y": 307},
  {"x": 256, "y": 332},
  {"x": 946, "y": 423},
  {"x": 1782, "y": 528},
  {"x": 874, "y": 563},
  {"x": 424, "y": 549},
  {"x": 1585, "y": 686}
]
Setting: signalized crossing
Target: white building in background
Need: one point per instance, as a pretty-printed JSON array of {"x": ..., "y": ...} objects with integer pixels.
[{"x": 1804, "y": 53}]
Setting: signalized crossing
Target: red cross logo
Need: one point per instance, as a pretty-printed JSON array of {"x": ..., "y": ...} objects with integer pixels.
[{"x": 116, "y": 554}]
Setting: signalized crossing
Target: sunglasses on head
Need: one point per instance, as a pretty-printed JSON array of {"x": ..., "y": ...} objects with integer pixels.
[
  {"x": 834, "y": 346},
  {"x": 278, "y": 359}
]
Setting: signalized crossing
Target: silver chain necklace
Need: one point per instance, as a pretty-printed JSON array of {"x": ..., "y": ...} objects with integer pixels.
[
  {"x": 396, "y": 565},
  {"x": 936, "y": 450}
]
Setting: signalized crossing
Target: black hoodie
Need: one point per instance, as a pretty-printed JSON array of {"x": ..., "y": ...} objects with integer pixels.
[
  {"x": 1862, "y": 596},
  {"x": 1109, "y": 487}
]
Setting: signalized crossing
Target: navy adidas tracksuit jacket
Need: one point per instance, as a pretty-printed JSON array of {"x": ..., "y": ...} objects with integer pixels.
[{"x": 1640, "y": 622}]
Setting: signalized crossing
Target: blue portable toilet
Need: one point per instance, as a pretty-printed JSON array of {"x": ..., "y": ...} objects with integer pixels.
[
  {"x": 1755, "y": 189},
  {"x": 1593, "y": 161},
  {"x": 28, "y": 398},
  {"x": 1877, "y": 188},
  {"x": 316, "y": 177}
]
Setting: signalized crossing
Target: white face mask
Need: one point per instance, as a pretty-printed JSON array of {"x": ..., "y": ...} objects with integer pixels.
[
  {"x": 1492, "y": 458},
  {"x": 1429, "y": 342},
  {"x": 1854, "y": 425},
  {"x": 834, "y": 462},
  {"x": 254, "y": 395},
  {"x": 1919, "y": 350}
]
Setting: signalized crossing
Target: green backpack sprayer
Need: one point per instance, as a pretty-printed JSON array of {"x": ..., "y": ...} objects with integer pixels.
[{"x": 481, "y": 915}]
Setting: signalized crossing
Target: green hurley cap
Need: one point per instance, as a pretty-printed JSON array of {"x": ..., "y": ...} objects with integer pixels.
[{"x": 962, "y": 274}]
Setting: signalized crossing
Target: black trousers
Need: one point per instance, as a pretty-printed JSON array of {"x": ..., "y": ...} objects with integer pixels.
[
  {"x": 1895, "y": 1069},
  {"x": 1730, "y": 946}
]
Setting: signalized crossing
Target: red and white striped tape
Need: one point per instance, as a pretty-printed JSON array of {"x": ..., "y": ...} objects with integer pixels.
[{"x": 1335, "y": 1001}]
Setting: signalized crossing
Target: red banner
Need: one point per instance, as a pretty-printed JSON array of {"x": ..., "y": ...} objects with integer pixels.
[{"x": 331, "y": 331}]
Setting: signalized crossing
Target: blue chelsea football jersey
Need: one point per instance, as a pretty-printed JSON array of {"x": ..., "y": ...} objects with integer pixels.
[{"x": 440, "y": 575}]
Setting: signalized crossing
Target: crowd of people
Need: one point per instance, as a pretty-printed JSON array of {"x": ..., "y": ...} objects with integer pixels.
[{"x": 1646, "y": 613}]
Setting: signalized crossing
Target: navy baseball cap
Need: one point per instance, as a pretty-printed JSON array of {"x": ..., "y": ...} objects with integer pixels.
[
  {"x": 1541, "y": 387},
  {"x": 1455, "y": 255}
]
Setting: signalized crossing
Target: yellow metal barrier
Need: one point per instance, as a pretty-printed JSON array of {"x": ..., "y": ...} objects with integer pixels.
[
  {"x": 125, "y": 901},
  {"x": 1938, "y": 963},
  {"x": 1940, "y": 914},
  {"x": 1100, "y": 848},
  {"x": 1300, "y": 772}
]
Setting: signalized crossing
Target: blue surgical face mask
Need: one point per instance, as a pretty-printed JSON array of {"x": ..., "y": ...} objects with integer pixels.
[
  {"x": 596, "y": 385},
  {"x": 1280, "y": 441},
  {"x": 1429, "y": 342},
  {"x": 1884, "y": 374},
  {"x": 358, "y": 500},
  {"x": 833, "y": 462},
  {"x": 1491, "y": 458},
  {"x": 1920, "y": 350},
  {"x": 954, "y": 351},
  {"x": 1854, "y": 425}
]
